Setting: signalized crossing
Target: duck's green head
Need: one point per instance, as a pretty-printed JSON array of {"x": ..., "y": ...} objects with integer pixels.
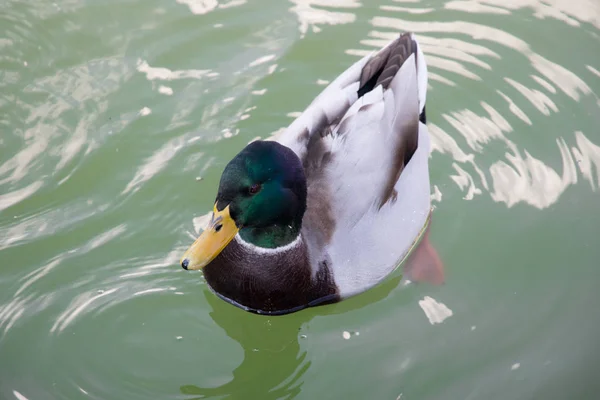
[{"x": 262, "y": 195}]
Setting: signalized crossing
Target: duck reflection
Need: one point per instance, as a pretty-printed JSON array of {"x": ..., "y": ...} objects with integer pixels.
[{"x": 274, "y": 361}]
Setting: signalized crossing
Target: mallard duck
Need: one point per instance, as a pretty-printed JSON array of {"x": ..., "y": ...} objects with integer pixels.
[{"x": 335, "y": 204}]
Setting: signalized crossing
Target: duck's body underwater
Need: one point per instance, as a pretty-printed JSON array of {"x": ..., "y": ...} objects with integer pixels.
[{"x": 333, "y": 206}]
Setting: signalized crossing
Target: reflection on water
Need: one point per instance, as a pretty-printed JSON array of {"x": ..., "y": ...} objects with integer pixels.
[
  {"x": 587, "y": 155},
  {"x": 79, "y": 305},
  {"x": 451, "y": 58},
  {"x": 270, "y": 342},
  {"x": 275, "y": 344},
  {"x": 165, "y": 74},
  {"x": 204, "y": 6},
  {"x": 571, "y": 12},
  {"x": 154, "y": 164},
  {"x": 436, "y": 312},
  {"x": 19, "y": 396},
  {"x": 312, "y": 13},
  {"x": 12, "y": 311},
  {"x": 8, "y": 199},
  {"x": 530, "y": 180}
]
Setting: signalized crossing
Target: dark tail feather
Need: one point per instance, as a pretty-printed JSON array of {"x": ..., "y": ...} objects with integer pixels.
[{"x": 382, "y": 68}]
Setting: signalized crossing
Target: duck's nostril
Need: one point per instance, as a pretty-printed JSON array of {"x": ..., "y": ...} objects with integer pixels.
[
  {"x": 185, "y": 263},
  {"x": 218, "y": 227}
]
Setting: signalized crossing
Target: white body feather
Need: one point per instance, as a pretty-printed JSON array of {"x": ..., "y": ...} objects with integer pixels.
[{"x": 369, "y": 241}]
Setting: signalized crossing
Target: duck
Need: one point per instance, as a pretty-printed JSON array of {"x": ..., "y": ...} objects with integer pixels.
[{"x": 335, "y": 204}]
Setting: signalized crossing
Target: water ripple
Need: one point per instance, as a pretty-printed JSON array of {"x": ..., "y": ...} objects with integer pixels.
[
  {"x": 452, "y": 60},
  {"x": 165, "y": 74},
  {"x": 566, "y": 11},
  {"x": 77, "y": 307},
  {"x": 11, "y": 198},
  {"x": 587, "y": 155},
  {"x": 154, "y": 164},
  {"x": 527, "y": 179},
  {"x": 200, "y": 7},
  {"x": 311, "y": 15},
  {"x": 47, "y": 221}
]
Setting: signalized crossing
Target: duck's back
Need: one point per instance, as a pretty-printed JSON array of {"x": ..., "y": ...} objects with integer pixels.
[{"x": 365, "y": 151}]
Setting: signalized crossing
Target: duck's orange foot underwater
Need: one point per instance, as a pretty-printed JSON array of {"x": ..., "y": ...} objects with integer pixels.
[{"x": 424, "y": 264}]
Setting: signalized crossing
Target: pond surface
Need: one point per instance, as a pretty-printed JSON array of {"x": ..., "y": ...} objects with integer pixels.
[{"x": 117, "y": 118}]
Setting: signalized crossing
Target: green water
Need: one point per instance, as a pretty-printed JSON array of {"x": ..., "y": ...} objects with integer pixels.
[{"x": 110, "y": 111}]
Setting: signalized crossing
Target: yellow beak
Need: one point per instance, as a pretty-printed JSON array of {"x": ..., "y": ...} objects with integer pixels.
[{"x": 220, "y": 231}]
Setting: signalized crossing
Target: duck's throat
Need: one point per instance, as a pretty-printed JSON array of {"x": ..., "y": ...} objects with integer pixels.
[{"x": 270, "y": 237}]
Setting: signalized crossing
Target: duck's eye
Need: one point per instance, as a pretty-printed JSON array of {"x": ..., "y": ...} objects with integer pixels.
[{"x": 254, "y": 188}]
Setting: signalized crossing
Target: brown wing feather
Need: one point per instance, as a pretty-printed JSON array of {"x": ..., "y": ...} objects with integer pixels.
[{"x": 381, "y": 69}]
